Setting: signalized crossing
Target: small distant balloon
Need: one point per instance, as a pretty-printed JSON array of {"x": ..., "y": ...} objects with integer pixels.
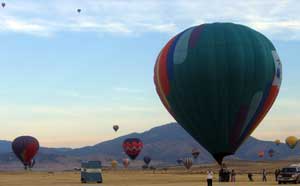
[
  {"x": 78, "y": 10},
  {"x": 291, "y": 142},
  {"x": 126, "y": 162},
  {"x": 132, "y": 147},
  {"x": 25, "y": 148},
  {"x": 195, "y": 153},
  {"x": 147, "y": 160},
  {"x": 188, "y": 162},
  {"x": 179, "y": 161},
  {"x": 114, "y": 164},
  {"x": 116, "y": 128},
  {"x": 261, "y": 154},
  {"x": 271, "y": 153},
  {"x": 3, "y": 5},
  {"x": 277, "y": 142}
]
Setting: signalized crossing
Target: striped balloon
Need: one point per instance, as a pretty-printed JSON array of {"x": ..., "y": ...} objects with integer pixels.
[
  {"x": 188, "y": 162},
  {"x": 218, "y": 81}
]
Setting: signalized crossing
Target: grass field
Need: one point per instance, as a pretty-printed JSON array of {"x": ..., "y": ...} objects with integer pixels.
[{"x": 121, "y": 178}]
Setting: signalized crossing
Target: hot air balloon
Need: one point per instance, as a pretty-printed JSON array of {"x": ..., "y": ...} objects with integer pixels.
[
  {"x": 116, "y": 128},
  {"x": 195, "y": 153},
  {"x": 147, "y": 160},
  {"x": 218, "y": 81},
  {"x": 126, "y": 162},
  {"x": 261, "y": 154},
  {"x": 179, "y": 161},
  {"x": 132, "y": 147},
  {"x": 187, "y": 162},
  {"x": 277, "y": 142},
  {"x": 114, "y": 164},
  {"x": 78, "y": 10},
  {"x": 271, "y": 152},
  {"x": 291, "y": 141},
  {"x": 3, "y": 5},
  {"x": 25, "y": 148}
]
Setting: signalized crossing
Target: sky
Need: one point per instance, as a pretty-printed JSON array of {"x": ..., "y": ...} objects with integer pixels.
[{"x": 67, "y": 77}]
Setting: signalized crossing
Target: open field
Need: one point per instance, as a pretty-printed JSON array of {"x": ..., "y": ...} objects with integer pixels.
[{"x": 173, "y": 177}]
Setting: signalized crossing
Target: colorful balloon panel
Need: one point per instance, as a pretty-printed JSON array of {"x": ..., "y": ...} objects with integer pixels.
[
  {"x": 25, "y": 148},
  {"x": 132, "y": 147},
  {"x": 218, "y": 81}
]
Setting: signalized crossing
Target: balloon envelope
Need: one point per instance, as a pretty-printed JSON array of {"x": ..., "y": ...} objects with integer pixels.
[
  {"x": 147, "y": 160},
  {"x": 132, "y": 147},
  {"x": 277, "y": 142},
  {"x": 195, "y": 153},
  {"x": 126, "y": 162},
  {"x": 218, "y": 81},
  {"x": 271, "y": 152},
  {"x": 188, "y": 162},
  {"x": 179, "y": 161},
  {"x": 116, "y": 128},
  {"x": 291, "y": 141},
  {"x": 114, "y": 164},
  {"x": 261, "y": 154},
  {"x": 25, "y": 148}
]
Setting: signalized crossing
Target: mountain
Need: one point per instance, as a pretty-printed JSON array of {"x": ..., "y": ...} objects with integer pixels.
[{"x": 165, "y": 144}]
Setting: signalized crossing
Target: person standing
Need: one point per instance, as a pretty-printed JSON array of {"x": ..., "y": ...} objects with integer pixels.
[
  {"x": 233, "y": 175},
  {"x": 250, "y": 176},
  {"x": 264, "y": 175},
  {"x": 209, "y": 177},
  {"x": 277, "y": 172}
]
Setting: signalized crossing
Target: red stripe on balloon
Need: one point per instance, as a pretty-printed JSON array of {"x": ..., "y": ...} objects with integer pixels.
[{"x": 161, "y": 79}]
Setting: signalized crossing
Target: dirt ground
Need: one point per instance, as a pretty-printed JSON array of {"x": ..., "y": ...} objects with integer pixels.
[{"x": 121, "y": 178}]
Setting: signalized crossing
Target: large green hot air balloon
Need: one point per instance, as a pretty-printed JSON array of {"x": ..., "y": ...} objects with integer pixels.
[{"x": 218, "y": 81}]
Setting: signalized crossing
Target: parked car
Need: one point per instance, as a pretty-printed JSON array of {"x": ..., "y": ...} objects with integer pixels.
[
  {"x": 91, "y": 172},
  {"x": 290, "y": 174}
]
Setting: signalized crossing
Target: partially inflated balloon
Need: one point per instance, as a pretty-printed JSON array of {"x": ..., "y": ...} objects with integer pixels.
[
  {"x": 132, "y": 147},
  {"x": 218, "y": 81},
  {"x": 291, "y": 141},
  {"x": 187, "y": 162},
  {"x": 25, "y": 148}
]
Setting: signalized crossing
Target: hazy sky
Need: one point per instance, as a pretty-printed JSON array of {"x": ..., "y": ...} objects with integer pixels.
[{"x": 66, "y": 78}]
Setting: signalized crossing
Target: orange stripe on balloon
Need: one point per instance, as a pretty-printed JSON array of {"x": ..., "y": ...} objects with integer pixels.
[{"x": 267, "y": 105}]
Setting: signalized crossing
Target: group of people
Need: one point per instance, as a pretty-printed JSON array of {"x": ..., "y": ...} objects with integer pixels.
[{"x": 225, "y": 175}]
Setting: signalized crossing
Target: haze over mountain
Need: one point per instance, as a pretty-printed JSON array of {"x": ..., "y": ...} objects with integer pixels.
[{"x": 165, "y": 144}]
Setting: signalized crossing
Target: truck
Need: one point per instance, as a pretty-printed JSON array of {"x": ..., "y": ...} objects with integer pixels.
[
  {"x": 289, "y": 174},
  {"x": 91, "y": 172}
]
